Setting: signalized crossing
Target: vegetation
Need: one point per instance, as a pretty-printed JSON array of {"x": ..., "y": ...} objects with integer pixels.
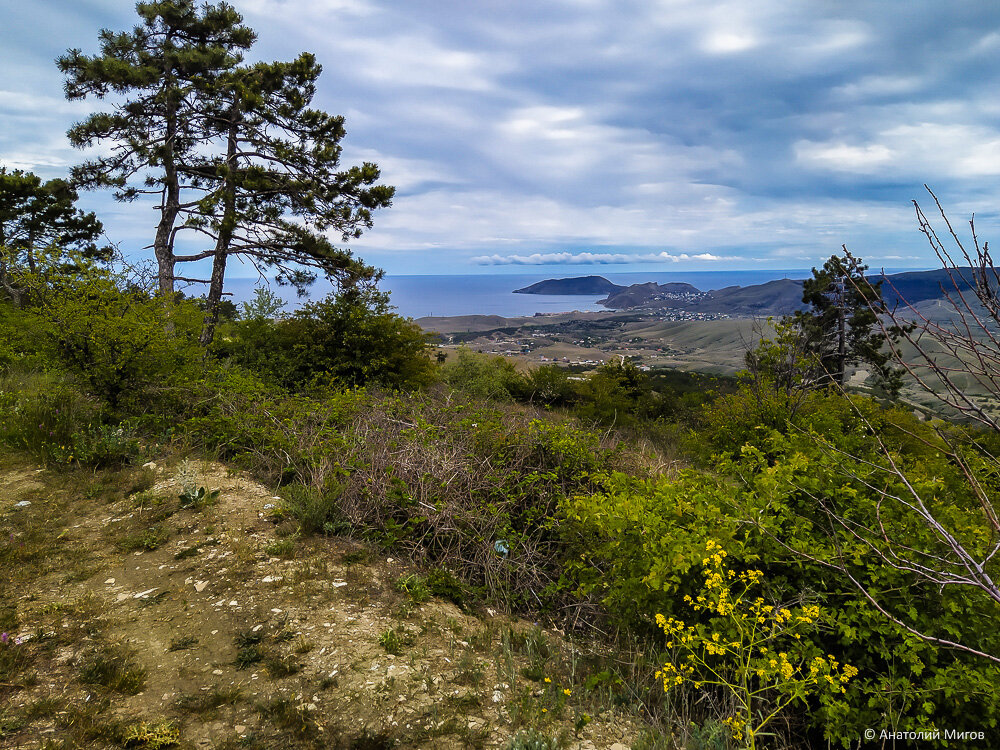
[
  {"x": 233, "y": 153},
  {"x": 767, "y": 561}
]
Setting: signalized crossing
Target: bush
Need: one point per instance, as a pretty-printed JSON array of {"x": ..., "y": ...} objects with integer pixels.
[
  {"x": 483, "y": 376},
  {"x": 348, "y": 339}
]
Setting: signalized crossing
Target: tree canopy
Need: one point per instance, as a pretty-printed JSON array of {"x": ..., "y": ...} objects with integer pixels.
[
  {"x": 36, "y": 216},
  {"x": 236, "y": 154}
]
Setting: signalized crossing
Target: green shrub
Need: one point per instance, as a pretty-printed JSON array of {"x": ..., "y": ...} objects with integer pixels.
[
  {"x": 350, "y": 339},
  {"x": 483, "y": 376},
  {"x": 414, "y": 587},
  {"x": 317, "y": 511},
  {"x": 128, "y": 348}
]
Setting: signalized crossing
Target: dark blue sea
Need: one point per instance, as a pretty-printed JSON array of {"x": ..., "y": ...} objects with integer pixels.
[{"x": 492, "y": 294}]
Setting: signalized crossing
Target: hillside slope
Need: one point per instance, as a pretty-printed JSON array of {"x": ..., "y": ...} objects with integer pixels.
[{"x": 133, "y": 621}]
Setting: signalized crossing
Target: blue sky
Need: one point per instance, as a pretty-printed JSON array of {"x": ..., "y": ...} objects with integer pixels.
[{"x": 611, "y": 135}]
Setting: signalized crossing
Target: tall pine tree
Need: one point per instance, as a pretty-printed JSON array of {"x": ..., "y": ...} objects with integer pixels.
[
  {"x": 274, "y": 188},
  {"x": 158, "y": 71},
  {"x": 841, "y": 325}
]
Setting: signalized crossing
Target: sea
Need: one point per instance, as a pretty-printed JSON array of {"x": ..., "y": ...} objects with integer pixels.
[{"x": 418, "y": 296}]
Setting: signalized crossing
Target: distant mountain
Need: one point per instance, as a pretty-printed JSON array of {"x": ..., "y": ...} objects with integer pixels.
[
  {"x": 651, "y": 293},
  {"x": 779, "y": 297},
  {"x": 575, "y": 285}
]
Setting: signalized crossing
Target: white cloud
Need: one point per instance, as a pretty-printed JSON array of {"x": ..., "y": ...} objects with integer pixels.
[
  {"x": 587, "y": 258},
  {"x": 925, "y": 151}
]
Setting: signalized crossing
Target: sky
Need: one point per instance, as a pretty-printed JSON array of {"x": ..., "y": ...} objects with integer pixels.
[{"x": 592, "y": 136}]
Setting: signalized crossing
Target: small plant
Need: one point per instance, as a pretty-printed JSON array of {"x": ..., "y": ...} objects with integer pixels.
[
  {"x": 391, "y": 642},
  {"x": 284, "y": 548},
  {"x": 152, "y": 736},
  {"x": 184, "y": 642},
  {"x": 250, "y": 649},
  {"x": 415, "y": 587},
  {"x": 199, "y": 703},
  {"x": 144, "y": 541},
  {"x": 279, "y": 665},
  {"x": 198, "y": 499},
  {"x": 114, "y": 668},
  {"x": 531, "y": 739}
]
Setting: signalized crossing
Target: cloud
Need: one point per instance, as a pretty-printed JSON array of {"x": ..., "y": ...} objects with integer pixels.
[
  {"x": 587, "y": 258},
  {"x": 521, "y": 130}
]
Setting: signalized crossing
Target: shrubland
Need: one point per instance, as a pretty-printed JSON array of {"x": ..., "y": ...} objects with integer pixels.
[{"x": 681, "y": 522}]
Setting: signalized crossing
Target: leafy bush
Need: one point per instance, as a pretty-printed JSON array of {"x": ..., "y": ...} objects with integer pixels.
[
  {"x": 483, "y": 376},
  {"x": 348, "y": 339}
]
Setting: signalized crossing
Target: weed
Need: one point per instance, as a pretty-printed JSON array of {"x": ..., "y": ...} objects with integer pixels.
[
  {"x": 115, "y": 668},
  {"x": 198, "y": 499},
  {"x": 354, "y": 556},
  {"x": 184, "y": 642},
  {"x": 443, "y": 583},
  {"x": 470, "y": 671},
  {"x": 391, "y": 642},
  {"x": 533, "y": 740},
  {"x": 279, "y": 666},
  {"x": 415, "y": 587},
  {"x": 152, "y": 736},
  {"x": 252, "y": 653},
  {"x": 287, "y": 715},
  {"x": 187, "y": 552},
  {"x": 369, "y": 740},
  {"x": 209, "y": 701},
  {"x": 302, "y": 646},
  {"x": 284, "y": 548},
  {"x": 146, "y": 540}
]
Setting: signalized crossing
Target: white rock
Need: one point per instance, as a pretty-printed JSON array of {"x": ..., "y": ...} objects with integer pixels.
[
  {"x": 271, "y": 579},
  {"x": 240, "y": 729},
  {"x": 110, "y": 582},
  {"x": 338, "y": 584},
  {"x": 22, "y": 504},
  {"x": 619, "y": 746},
  {"x": 256, "y": 628},
  {"x": 216, "y": 671},
  {"x": 233, "y": 603},
  {"x": 150, "y": 465},
  {"x": 144, "y": 594},
  {"x": 199, "y": 586}
]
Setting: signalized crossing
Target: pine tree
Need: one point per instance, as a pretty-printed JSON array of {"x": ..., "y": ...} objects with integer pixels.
[
  {"x": 37, "y": 216},
  {"x": 276, "y": 190},
  {"x": 159, "y": 70},
  {"x": 841, "y": 326}
]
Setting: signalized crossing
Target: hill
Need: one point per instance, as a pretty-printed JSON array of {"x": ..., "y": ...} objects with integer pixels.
[
  {"x": 135, "y": 621},
  {"x": 574, "y": 285},
  {"x": 780, "y": 297}
]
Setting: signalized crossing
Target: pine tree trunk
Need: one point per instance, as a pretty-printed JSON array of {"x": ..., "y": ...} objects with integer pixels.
[
  {"x": 225, "y": 235},
  {"x": 841, "y": 334}
]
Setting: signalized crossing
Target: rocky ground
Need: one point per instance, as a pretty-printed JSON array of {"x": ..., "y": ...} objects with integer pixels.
[{"x": 137, "y": 618}]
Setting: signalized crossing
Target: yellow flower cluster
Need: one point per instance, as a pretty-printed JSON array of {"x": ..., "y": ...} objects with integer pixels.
[{"x": 750, "y": 664}]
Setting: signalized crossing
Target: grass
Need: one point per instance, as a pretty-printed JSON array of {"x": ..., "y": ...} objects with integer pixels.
[
  {"x": 146, "y": 541},
  {"x": 115, "y": 668},
  {"x": 204, "y": 702},
  {"x": 391, "y": 642},
  {"x": 152, "y": 735},
  {"x": 182, "y": 643}
]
